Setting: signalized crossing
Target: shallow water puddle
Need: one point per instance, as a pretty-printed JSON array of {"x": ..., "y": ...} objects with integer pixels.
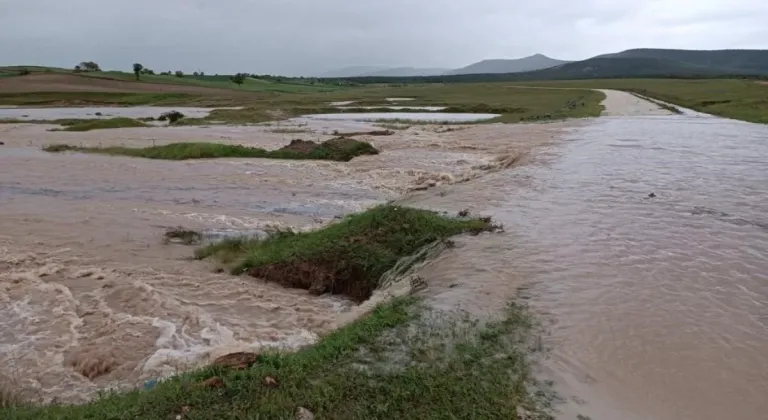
[
  {"x": 100, "y": 112},
  {"x": 411, "y": 116}
]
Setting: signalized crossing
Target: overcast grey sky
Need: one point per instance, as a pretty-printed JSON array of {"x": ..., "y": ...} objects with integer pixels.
[{"x": 305, "y": 37}]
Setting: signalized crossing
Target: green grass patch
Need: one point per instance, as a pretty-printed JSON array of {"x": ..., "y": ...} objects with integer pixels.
[
  {"x": 340, "y": 149},
  {"x": 88, "y": 125},
  {"x": 250, "y": 84},
  {"x": 348, "y": 257},
  {"x": 740, "y": 99},
  {"x": 512, "y": 103},
  {"x": 397, "y": 362}
]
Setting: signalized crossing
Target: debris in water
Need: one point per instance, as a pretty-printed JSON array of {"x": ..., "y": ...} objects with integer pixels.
[
  {"x": 181, "y": 235},
  {"x": 651, "y": 195}
]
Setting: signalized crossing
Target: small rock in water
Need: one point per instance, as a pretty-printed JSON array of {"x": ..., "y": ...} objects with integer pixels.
[
  {"x": 2, "y": 143},
  {"x": 651, "y": 195},
  {"x": 98, "y": 114}
]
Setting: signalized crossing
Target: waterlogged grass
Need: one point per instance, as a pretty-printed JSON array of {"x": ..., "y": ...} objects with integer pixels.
[
  {"x": 739, "y": 99},
  {"x": 348, "y": 257},
  {"x": 400, "y": 361},
  {"x": 335, "y": 149},
  {"x": 513, "y": 104},
  {"x": 9, "y": 397},
  {"x": 87, "y": 125}
]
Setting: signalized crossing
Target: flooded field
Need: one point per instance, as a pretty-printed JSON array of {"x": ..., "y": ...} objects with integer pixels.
[
  {"x": 99, "y": 112},
  {"x": 398, "y": 108},
  {"x": 406, "y": 116},
  {"x": 83, "y": 264},
  {"x": 653, "y": 306}
]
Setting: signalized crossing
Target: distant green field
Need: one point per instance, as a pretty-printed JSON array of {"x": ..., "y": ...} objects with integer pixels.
[
  {"x": 222, "y": 82},
  {"x": 513, "y": 104},
  {"x": 739, "y": 99}
]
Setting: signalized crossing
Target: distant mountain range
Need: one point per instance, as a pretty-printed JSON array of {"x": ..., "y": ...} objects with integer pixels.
[
  {"x": 534, "y": 62},
  {"x": 630, "y": 63}
]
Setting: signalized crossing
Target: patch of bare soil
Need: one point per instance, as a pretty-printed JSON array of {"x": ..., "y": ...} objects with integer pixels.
[
  {"x": 75, "y": 83},
  {"x": 237, "y": 361},
  {"x": 301, "y": 146}
]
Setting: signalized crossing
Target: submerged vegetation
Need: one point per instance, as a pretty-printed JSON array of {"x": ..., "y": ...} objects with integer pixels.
[
  {"x": 339, "y": 149},
  {"x": 345, "y": 258},
  {"x": 87, "y": 125}
]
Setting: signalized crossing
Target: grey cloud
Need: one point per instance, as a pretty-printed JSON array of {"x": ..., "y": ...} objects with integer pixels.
[{"x": 312, "y": 36}]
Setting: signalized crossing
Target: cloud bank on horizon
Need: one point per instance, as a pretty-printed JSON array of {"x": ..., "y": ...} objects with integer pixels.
[{"x": 309, "y": 37}]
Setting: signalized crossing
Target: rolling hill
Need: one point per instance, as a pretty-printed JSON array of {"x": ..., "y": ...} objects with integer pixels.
[
  {"x": 353, "y": 71},
  {"x": 406, "y": 71},
  {"x": 534, "y": 62},
  {"x": 639, "y": 63},
  {"x": 730, "y": 61}
]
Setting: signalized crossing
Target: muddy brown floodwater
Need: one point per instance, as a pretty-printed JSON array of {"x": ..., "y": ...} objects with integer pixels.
[
  {"x": 652, "y": 307},
  {"x": 91, "y": 297}
]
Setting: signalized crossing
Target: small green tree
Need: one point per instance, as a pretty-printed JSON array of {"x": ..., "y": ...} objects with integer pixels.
[
  {"x": 137, "y": 68},
  {"x": 24, "y": 72},
  {"x": 238, "y": 79},
  {"x": 179, "y": 73},
  {"x": 89, "y": 66}
]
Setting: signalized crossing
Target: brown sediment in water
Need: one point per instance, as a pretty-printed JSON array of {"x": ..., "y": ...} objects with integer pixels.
[{"x": 84, "y": 264}]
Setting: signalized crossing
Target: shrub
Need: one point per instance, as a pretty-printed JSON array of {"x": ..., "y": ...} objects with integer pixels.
[{"x": 171, "y": 116}]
